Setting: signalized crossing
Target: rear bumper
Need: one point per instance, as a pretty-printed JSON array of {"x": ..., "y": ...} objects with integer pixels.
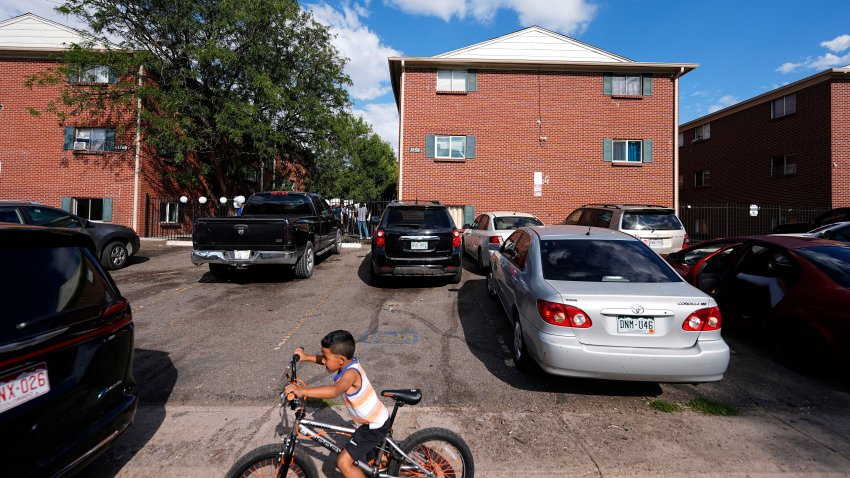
[
  {"x": 443, "y": 266},
  {"x": 255, "y": 257},
  {"x": 706, "y": 361}
]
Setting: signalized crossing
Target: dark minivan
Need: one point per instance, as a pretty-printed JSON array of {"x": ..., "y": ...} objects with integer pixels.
[
  {"x": 417, "y": 239},
  {"x": 66, "y": 353}
]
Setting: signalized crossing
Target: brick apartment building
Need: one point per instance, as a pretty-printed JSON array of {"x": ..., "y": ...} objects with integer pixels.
[
  {"x": 538, "y": 122},
  {"x": 789, "y": 146}
]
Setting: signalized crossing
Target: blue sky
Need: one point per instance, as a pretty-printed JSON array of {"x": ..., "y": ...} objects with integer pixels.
[{"x": 743, "y": 47}]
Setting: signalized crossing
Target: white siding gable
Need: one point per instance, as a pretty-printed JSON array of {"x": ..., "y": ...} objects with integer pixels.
[
  {"x": 535, "y": 44},
  {"x": 30, "y": 32}
]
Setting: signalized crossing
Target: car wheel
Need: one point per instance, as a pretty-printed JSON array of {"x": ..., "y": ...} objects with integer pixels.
[
  {"x": 115, "y": 255},
  {"x": 491, "y": 284},
  {"x": 521, "y": 358},
  {"x": 455, "y": 279},
  {"x": 338, "y": 242},
  {"x": 376, "y": 279},
  {"x": 799, "y": 346},
  {"x": 304, "y": 266}
]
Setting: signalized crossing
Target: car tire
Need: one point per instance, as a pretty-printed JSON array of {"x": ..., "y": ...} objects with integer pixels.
[
  {"x": 338, "y": 242},
  {"x": 304, "y": 266},
  {"x": 457, "y": 277},
  {"x": 491, "y": 285},
  {"x": 115, "y": 255},
  {"x": 375, "y": 279},
  {"x": 799, "y": 346},
  {"x": 520, "y": 352},
  {"x": 221, "y": 271}
]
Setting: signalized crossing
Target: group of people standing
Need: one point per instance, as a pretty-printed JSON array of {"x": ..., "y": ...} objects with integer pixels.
[{"x": 355, "y": 219}]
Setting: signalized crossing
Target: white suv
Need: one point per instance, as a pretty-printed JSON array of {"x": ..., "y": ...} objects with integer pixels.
[{"x": 657, "y": 226}]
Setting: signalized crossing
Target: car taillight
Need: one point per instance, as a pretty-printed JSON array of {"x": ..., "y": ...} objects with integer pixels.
[
  {"x": 121, "y": 306},
  {"x": 380, "y": 239},
  {"x": 703, "y": 320},
  {"x": 456, "y": 238},
  {"x": 495, "y": 240},
  {"x": 686, "y": 242},
  {"x": 562, "y": 315}
]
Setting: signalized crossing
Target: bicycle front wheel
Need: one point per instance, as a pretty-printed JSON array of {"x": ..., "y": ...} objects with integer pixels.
[
  {"x": 440, "y": 451},
  {"x": 264, "y": 462}
]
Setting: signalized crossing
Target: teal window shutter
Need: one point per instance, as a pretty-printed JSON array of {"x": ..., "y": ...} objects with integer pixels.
[
  {"x": 69, "y": 137},
  {"x": 607, "y": 80},
  {"x": 107, "y": 209},
  {"x": 472, "y": 80},
  {"x": 607, "y": 150},
  {"x": 430, "y": 144},
  {"x": 468, "y": 215},
  {"x": 66, "y": 203},
  {"x": 647, "y": 151},
  {"x": 110, "y": 139},
  {"x": 113, "y": 76},
  {"x": 470, "y": 147},
  {"x": 647, "y": 85}
]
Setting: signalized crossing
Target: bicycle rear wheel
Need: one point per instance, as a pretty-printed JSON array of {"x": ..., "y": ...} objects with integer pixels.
[
  {"x": 440, "y": 451},
  {"x": 264, "y": 462}
]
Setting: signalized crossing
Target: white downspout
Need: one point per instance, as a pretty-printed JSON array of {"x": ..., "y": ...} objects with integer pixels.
[
  {"x": 676, "y": 139},
  {"x": 137, "y": 167},
  {"x": 401, "y": 134}
]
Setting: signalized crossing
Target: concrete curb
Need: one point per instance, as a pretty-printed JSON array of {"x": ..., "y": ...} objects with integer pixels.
[
  {"x": 351, "y": 245},
  {"x": 179, "y": 243}
]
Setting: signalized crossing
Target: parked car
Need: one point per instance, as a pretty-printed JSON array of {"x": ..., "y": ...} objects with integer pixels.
[
  {"x": 657, "y": 226},
  {"x": 416, "y": 239},
  {"x": 493, "y": 228},
  {"x": 597, "y": 303},
  {"x": 832, "y": 216},
  {"x": 795, "y": 289},
  {"x": 839, "y": 231},
  {"x": 279, "y": 227},
  {"x": 114, "y": 244},
  {"x": 66, "y": 353}
]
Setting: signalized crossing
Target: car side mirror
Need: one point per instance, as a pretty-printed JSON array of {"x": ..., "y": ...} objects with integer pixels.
[{"x": 494, "y": 247}]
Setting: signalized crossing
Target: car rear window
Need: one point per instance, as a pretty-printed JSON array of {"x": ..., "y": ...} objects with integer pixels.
[
  {"x": 650, "y": 221},
  {"x": 42, "y": 282},
  {"x": 277, "y": 204},
  {"x": 587, "y": 260},
  {"x": 419, "y": 217},
  {"x": 834, "y": 261},
  {"x": 510, "y": 223}
]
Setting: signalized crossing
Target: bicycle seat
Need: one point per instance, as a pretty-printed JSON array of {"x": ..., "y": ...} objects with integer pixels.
[{"x": 409, "y": 397}]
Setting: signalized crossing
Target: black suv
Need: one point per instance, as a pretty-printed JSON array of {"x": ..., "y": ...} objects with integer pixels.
[
  {"x": 832, "y": 216},
  {"x": 416, "y": 239},
  {"x": 114, "y": 244},
  {"x": 66, "y": 353}
]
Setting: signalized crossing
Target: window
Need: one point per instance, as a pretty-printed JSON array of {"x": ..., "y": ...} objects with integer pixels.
[
  {"x": 681, "y": 139},
  {"x": 42, "y": 216},
  {"x": 89, "y": 139},
  {"x": 485, "y": 223},
  {"x": 783, "y": 166},
  {"x": 656, "y": 220},
  {"x": 88, "y": 208},
  {"x": 783, "y": 106},
  {"x": 603, "y": 261},
  {"x": 834, "y": 261},
  {"x": 510, "y": 223},
  {"x": 702, "y": 132},
  {"x": 626, "y": 85},
  {"x": 169, "y": 212},
  {"x": 451, "y": 80},
  {"x": 452, "y": 147},
  {"x": 277, "y": 203},
  {"x": 10, "y": 214},
  {"x": 702, "y": 178},
  {"x": 419, "y": 217},
  {"x": 627, "y": 151},
  {"x": 93, "y": 74}
]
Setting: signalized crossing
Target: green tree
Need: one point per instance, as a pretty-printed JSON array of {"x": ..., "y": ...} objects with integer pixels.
[{"x": 225, "y": 85}]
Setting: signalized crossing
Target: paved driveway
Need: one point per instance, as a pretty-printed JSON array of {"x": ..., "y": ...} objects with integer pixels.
[{"x": 210, "y": 355}]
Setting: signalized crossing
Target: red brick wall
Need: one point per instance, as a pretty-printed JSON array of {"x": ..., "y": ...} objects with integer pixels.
[
  {"x": 34, "y": 165},
  {"x": 575, "y": 117},
  {"x": 741, "y": 145},
  {"x": 840, "y": 143}
]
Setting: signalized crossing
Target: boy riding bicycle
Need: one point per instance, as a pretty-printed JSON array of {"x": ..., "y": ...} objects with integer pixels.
[{"x": 360, "y": 398}]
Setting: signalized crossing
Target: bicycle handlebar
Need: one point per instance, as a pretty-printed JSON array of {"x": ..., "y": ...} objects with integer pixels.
[{"x": 291, "y": 397}]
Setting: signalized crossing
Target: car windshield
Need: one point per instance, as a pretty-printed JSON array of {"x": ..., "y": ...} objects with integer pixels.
[
  {"x": 651, "y": 221},
  {"x": 510, "y": 223},
  {"x": 419, "y": 218},
  {"x": 277, "y": 204},
  {"x": 834, "y": 261},
  {"x": 587, "y": 260}
]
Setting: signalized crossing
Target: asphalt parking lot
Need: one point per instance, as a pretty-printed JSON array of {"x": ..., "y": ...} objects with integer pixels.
[{"x": 210, "y": 354}]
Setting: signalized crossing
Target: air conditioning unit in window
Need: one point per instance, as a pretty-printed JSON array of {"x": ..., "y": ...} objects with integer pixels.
[{"x": 80, "y": 145}]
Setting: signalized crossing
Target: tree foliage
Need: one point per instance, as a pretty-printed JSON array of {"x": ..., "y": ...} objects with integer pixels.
[{"x": 226, "y": 85}]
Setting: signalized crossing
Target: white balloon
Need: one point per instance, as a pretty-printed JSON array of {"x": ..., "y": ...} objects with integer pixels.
[
  {"x": 222, "y": 200},
  {"x": 239, "y": 199},
  {"x": 202, "y": 200},
  {"x": 184, "y": 199}
]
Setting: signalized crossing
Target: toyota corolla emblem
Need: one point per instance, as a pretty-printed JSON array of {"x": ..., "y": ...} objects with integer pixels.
[
  {"x": 637, "y": 309},
  {"x": 240, "y": 231}
]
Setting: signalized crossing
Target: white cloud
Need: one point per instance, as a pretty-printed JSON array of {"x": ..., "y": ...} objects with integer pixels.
[
  {"x": 789, "y": 67},
  {"x": 566, "y": 16},
  {"x": 384, "y": 120},
  {"x": 723, "y": 102},
  {"x": 42, "y": 8},
  {"x": 367, "y": 56},
  {"x": 837, "y": 44}
]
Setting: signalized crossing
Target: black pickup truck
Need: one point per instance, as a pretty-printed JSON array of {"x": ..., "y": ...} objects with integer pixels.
[{"x": 277, "y": 227}]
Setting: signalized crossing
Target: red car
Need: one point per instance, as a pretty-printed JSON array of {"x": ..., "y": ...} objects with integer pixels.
[{"x": 795, "y": 288}]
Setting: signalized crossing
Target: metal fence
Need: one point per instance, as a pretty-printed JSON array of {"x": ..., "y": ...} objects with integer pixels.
[
  {"x": 168, "y": 218},
  {"x": 710, "y": 221},
  {"x": 347, "y": 214}
]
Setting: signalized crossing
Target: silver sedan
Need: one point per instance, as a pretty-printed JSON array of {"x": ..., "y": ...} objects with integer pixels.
[
  {"x": 596, "y": 303},
  {"x": 493, "y": 228}
]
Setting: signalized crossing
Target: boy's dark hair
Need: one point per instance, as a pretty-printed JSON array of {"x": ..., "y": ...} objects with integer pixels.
[{"x": 340, "y": 342}]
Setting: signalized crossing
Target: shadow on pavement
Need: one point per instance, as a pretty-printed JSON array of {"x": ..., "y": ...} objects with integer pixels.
[
  {"x": 133, "y": 260},
  {"x": 263, "y": 273},
  {"x": 156, "y": 376},
  {"x": 364, "y": 272}
]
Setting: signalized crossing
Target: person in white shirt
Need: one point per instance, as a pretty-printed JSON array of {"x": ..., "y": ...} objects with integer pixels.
[{"x": 362, "y": 217}]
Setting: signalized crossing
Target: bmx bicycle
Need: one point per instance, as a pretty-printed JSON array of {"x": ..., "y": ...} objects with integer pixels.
[{"x": 430, "y": 452}]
